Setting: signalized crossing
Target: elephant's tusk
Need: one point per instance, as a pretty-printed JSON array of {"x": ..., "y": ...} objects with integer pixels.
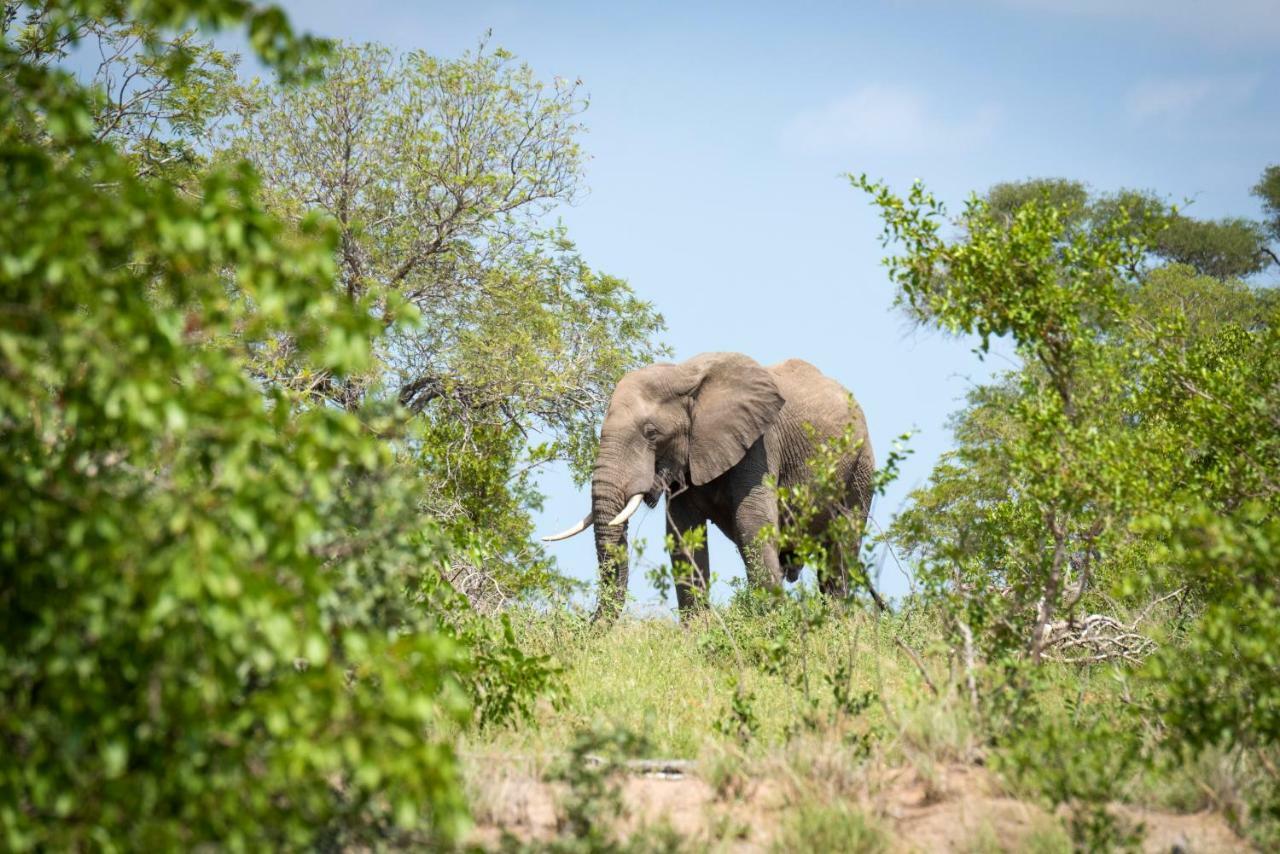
[
  {"x": 629, "y": 510},
  {"x": 571, "y": 532}
]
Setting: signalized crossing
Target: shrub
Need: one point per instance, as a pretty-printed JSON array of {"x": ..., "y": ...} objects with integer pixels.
[{"x": 220, "y": 616}]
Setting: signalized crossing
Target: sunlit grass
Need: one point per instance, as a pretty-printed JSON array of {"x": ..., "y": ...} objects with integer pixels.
[{"x": 674, "y": 684}]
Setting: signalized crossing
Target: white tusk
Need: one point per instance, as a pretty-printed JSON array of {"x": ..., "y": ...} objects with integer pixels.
[
  {"x": 629, "y": 510},
  {"x": 571, "y": 532}
]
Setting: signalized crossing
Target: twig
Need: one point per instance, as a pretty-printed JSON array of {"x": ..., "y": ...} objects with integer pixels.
[
  {"x": 968, "y": 663},
  {"x": 1147, "y": 610},
  {"x": 911, "y": 653}
]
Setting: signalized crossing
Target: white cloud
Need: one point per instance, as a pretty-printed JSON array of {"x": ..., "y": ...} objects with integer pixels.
[
  {"x": 1225, "y": 22},
  {"x": 1182, "y": 98},
  {"x": 886, "y": 118}
]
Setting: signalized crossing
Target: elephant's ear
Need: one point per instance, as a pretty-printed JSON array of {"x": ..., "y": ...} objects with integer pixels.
[{"x": 733, "y": 404}]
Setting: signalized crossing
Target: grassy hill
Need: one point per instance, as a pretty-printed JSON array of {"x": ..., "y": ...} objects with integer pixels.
[{"x": 808, "y": 728}]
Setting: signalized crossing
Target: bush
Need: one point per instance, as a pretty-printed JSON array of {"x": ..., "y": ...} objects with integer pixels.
[{"x": 220, "y": 615}]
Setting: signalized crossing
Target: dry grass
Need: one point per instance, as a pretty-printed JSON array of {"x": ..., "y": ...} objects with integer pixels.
[{"x": 784, "y": 805}]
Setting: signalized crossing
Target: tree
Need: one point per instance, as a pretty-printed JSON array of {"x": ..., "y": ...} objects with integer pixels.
[
  {"x": 155, "y": 94},
  {"x": 1056, "y": 283},
  {"x": 1130, "y": 460},
  {"x": 1268, "y": 189},
  {"x": 439, "y": 177},
  {"x": 1226, "y": 248},
  {"x": 221, "y": 616}
]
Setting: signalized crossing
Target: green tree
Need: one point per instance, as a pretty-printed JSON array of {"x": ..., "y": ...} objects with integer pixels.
[
  {"x": 439, "y": 177},
  {"x": 1268, "y": 190},
  {"x": 1227, "y": 248},
  {"x": 969, "y": 522},
  {"x": 1131, "y": 458},
  {"x": 1070, "y": 279},
  {"x": 221, "y": 617},
  {"x": 1056, "y": 289}
]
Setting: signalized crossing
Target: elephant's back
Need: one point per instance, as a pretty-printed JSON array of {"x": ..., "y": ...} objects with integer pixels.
[{"x": 814, "y": 397}]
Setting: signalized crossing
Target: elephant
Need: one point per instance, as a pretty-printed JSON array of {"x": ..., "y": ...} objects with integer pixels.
[{"x": 715, "y": 434}]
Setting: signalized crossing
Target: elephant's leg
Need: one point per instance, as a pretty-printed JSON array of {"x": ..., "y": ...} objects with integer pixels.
[
  {"x": 845, "y": 550},
  {"x": 833, "y": 580},
  {"x": 791, "y": 565},
  {"x": 861, "y": 488},
  {"x": 754, "y": 512},
  {"x": 690, "y": 562}
]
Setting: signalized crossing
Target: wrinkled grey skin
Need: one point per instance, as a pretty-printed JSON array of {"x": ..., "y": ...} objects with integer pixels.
[{"x": 707, "y": 433}]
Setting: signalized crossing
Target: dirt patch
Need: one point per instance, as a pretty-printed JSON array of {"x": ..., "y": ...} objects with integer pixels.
[
  {"x": 1197, "y": 832},
  {"x": 955, "y": 807},
  {"x": 951, "y": 809}
]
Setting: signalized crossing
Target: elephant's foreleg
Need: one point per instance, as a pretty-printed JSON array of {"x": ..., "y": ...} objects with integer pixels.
[
  {"x": 754, "y": 515},
  {"x": 689, "y": 559}
]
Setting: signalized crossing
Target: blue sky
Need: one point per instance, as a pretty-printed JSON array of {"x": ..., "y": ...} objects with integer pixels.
[{"x": 718, "y": 134}]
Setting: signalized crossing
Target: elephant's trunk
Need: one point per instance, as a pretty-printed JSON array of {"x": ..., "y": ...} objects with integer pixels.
[
  {"x": 611, "y": 552},
  {"x": 621, "y": 471}
]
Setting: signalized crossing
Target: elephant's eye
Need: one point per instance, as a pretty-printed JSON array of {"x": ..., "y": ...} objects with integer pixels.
[{"x": 651, "y": 432}]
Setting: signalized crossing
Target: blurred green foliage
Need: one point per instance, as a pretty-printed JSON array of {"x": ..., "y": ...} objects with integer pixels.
[{"x": 225, "y": 619}]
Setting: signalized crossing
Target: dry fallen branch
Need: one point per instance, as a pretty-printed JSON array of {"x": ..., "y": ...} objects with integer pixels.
[
  {"x": 481, "y": 589},
  {"x": 1097, "y": 638}
]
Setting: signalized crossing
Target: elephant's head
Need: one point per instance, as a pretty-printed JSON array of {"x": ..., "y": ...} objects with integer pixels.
[{"x": 667, "y": 427}]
